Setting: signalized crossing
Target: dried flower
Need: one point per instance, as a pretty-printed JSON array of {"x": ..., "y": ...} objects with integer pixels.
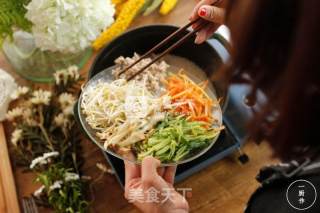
[
  {"x": 14, "y": 113},
  {"x": 19, "y": 92},
  {"x": 16, "y": 136},
  {"x": 57, "y": 76},
  {"x": 42, "y": 160},
  {"x": 66, "y": 99},
  {"x": 56, "y": 185},
  {"x": 70, "y": 176},
  {"x": 39, "y": 191},
  {"x": 31, "y": 122},
  {"x": 41, "y": 97},
  {"x": 27, "y": 113},
  {"x": 68, "y": 25},
  {"x": 68, "y": 110},
  {"x": 60, "y": 120},
  {"x": 35, "y": 132},
  {"x": 67, "y": 102},
  {"x": 66, "y": 75},
  {"x": 73, "y": 72}
]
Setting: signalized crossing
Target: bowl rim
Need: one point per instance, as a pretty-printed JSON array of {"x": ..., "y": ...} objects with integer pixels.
[{"x": 100, "y": 145}]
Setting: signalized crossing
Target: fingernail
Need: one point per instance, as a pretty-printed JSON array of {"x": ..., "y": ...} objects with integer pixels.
[{"x": 202, "y": 12}]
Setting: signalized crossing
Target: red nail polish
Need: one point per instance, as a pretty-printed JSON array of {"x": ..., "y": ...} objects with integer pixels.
[{"x": 203, "y": 12}]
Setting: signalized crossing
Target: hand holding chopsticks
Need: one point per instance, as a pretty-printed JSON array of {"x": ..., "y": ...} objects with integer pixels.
[
  {"x": 162, "y": 43},
  {"x": 198, "y": 24}
]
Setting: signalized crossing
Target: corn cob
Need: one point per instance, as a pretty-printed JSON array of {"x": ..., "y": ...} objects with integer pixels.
[
  {"x": 167, "y": 6},
  {"x": 124, "y": 19},
  {"x": 118, "y": 5},
  {"x": 117, "y": 2}
]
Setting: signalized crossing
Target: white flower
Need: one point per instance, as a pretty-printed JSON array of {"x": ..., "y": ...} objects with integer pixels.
[
  {"x": 56, "y": 185},
  {"x": 73, "y": 72},
  {"x": 42, "y": 160},
  {"x": 14, "y": 113},
  {"x": 70, "y": 176},
  {"x": 41, "y": 97},
  {"x": 67, "y": 102},
  {"x": 36, "y": 161},
  {"x": 50, "y": 154},
  {"x": 39, "y": 191},
  {"x": 68, "y": 25},
  {"x": 19, "y": 92},
  {"x": 57, "y": 76},
  {"x": 65, "y": 75},
  {"x": 16, "y": 136},
  {"x": 66, "y": 99}
]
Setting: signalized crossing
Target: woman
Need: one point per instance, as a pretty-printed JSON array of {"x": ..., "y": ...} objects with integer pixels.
[{"x": 275, "y": 50}]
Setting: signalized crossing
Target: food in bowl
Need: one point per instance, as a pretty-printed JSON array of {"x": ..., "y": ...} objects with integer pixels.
[
  {"x": 159, "y": 113},
  {"x": 152, "y": 77}
]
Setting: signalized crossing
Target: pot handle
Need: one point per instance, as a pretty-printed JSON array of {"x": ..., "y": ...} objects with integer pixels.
[{"x": 220, "y": 44}]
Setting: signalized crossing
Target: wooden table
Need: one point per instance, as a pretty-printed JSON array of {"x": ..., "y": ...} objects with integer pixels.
[{"x": 222, "y": 187}]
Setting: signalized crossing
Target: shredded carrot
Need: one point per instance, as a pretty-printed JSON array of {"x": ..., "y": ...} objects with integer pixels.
[{"x": 189, "y": 98}]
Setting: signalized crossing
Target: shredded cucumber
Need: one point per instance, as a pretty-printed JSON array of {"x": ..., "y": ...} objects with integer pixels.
[{"x": 175, "y": 138}]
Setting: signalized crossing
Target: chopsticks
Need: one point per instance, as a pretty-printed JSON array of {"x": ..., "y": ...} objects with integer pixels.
[{"x": 201, "y": 25}]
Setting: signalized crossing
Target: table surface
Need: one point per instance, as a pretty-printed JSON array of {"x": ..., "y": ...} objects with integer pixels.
[{"x": 222, "y": 187}]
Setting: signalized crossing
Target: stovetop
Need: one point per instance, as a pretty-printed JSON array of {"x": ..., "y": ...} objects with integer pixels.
[{"x": 235, "y": 118}]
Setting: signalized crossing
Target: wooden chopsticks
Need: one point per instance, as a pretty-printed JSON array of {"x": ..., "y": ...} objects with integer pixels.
[{"x": 201, "y": 25}]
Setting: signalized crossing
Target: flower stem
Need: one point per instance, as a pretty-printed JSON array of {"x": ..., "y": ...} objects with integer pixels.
[{"x": 43, "y": 130}]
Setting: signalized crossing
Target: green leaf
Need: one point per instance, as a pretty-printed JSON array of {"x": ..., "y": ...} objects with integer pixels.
[{"x": 12, "y": 15}]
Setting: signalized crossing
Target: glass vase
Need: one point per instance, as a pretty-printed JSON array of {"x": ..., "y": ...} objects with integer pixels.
[{"x": 36, "y": 65}]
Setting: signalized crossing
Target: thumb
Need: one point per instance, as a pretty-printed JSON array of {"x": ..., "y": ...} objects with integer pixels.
[
  {"x": 212, "y": 14},
  {"x": 149, "y": 174}
]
